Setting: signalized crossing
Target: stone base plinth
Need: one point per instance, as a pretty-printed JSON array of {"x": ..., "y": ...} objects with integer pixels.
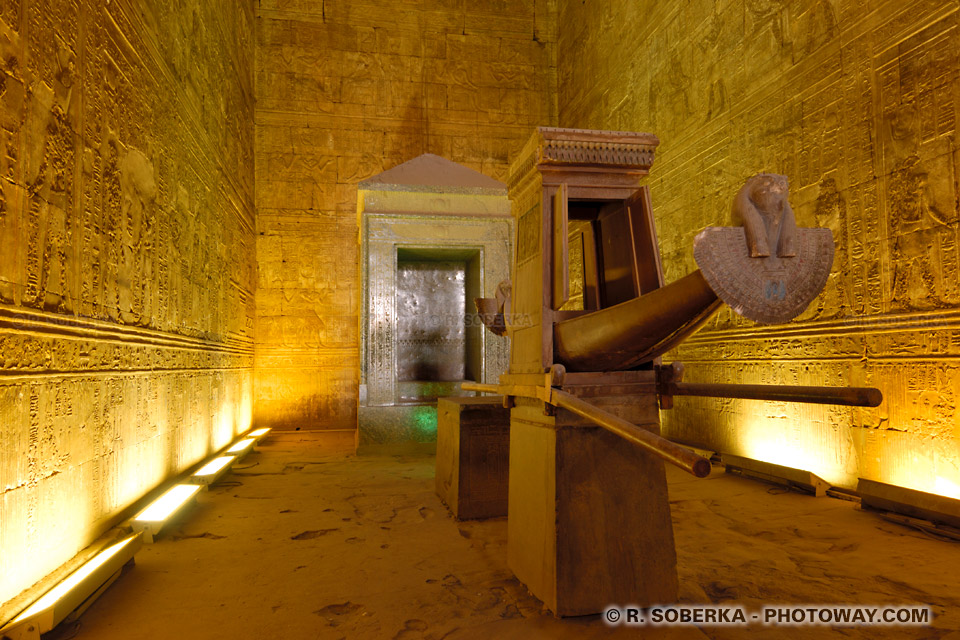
[
  {"x": 473, "y": 445},
  {"x": 589, "y": 519}
]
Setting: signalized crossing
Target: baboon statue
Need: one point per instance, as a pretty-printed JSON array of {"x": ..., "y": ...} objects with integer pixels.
[{"x": 761, "y": 206}]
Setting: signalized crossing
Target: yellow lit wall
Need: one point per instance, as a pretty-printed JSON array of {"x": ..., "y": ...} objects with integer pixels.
[
  {"x": 126, "y": 259},
  {"x": 347, "y": 89},
  {"x": 857, "y": 103}
]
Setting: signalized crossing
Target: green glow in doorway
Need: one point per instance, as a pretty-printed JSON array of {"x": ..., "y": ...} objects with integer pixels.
[{"x": 425, "y": 421}]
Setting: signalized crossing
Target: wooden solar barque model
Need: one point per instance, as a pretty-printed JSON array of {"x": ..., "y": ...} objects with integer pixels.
[{"x": 589, "y": 316}]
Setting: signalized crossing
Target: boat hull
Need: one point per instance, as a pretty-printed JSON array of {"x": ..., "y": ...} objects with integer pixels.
[{"x": 636, "y": 331}]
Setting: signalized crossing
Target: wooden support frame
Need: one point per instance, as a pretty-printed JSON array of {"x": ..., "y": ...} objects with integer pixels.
[
  {"x": 633, "y": 218},
  {"x": 561, "y": 256}
]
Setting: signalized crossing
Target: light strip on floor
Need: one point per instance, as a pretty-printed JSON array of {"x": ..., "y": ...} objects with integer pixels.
[
  {"x": 212, "y": 471},
  {"x": 242, "y": 447},
  {"x": 56, "y": 604},
  {"x": 82, "y": 586},
  {"x": 214, "y": 466},
  {"x": 800, "y": 479},
  {"x": 151, "y": 520},
  {"x": 879, "y": 496},
  {"x": 164, "y": 506}
]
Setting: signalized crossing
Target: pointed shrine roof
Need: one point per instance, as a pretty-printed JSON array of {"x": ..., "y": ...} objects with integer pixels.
[{"x": 432, "y": 171}]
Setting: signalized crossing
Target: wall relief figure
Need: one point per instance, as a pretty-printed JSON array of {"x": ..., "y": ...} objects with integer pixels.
[
  {"x": 815, "y": 27},
  {"x": 921, "y": 213},
  {"x": 768, "y": 15},
  {"x": 918, "y": 231},
  {"x": 830, "y": 213},
  {"x": 138, "y": 187}
]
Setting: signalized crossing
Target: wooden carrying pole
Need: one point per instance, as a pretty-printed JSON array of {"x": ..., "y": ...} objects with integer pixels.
[
  {"x": 657, "y": 445},
  {"x": 848, "y": 396},
  {"x": 665, "y": 449},
  {"x": 481, "y": 387}
]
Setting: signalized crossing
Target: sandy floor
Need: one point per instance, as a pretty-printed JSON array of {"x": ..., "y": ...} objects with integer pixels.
[{"x": 301, "y": 543}]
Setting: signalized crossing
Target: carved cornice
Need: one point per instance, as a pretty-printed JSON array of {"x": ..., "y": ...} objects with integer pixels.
[
  {"x": 604, "y": 148},
  {"x": 596, "y": 150}
]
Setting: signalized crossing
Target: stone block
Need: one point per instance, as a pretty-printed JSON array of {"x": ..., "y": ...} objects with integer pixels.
[{"x": 473, "y": 447}]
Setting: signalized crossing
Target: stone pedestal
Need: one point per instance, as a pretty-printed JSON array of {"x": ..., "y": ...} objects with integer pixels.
[
  {"x": 589, "y": 519},
  {"x": 473, "y": 440}
]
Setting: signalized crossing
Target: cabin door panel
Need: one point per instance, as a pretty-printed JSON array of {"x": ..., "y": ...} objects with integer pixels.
[
  {"x": 617, "y": 265},
  {"x": 647, "y": 250}
]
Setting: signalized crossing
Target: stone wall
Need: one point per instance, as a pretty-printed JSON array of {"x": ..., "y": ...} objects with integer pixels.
[
  {"x": 345, "y": 90},
  {"x": 126, "y": 259},
  {"x": 857, "y": 104}
]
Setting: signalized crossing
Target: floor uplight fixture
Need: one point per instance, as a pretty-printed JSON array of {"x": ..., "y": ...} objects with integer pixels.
[
  {"x": 212, "y": 471},
  {"x": 241, "y": 448},
  {"x": 257, "y": 435},
  {"x": 74, "y": 594},
  {"x": 152, "y": 519},
  {"x": 799, "y": 479},
  {"x": 919, "y": 505}
]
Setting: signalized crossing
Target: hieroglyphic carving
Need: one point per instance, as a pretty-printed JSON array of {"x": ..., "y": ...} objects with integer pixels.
[
  {"x": 126, "y": 264},
  {"x": 528, "y": 235}
]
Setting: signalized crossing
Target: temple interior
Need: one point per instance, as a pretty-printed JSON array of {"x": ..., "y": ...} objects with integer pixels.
[{"x": 262, "y": 231}]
